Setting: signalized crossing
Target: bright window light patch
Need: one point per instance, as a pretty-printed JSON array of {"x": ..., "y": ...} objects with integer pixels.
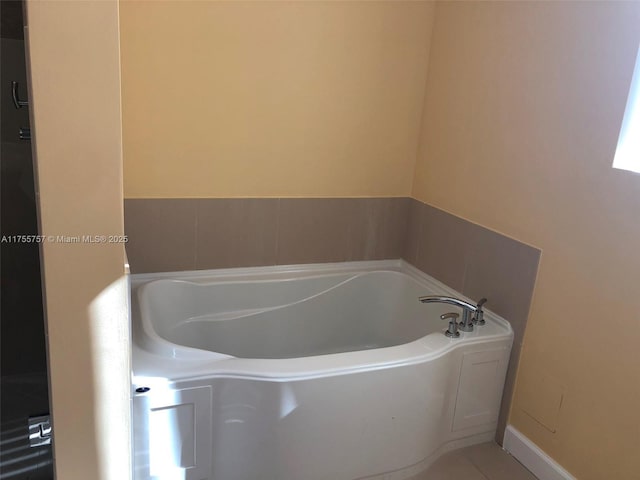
[{"x": 628, "y": 150}]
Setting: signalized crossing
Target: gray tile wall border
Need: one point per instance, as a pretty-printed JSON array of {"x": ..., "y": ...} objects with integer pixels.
[
  {"x": 477, "y": 262},
  {"x": 188, "y": 234},
  {"x": 161, "y": 234},
  {"x": 204, "y": 233}
]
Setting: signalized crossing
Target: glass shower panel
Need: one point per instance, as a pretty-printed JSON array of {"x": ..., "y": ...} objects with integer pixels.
[{"x": 25, "y": 434}]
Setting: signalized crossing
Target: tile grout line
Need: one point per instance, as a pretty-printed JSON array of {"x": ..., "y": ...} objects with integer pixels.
[
  {"x": 419, "y": 232},
  {"x": 470, "y": 460},
  {"x": 349, "y": 250},
  {"x": 504, "y": 456},
  {"x": 195, "y": 235},
  {"x": 467, "y": 247},
  {"x": 277, "y": 246}
]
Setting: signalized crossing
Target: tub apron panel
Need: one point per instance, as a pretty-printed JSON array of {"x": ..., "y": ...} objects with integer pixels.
[{"x": 397, "y": 395}]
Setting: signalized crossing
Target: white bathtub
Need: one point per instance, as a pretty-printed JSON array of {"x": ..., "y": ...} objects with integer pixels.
[{"x": 333, "y": 372}]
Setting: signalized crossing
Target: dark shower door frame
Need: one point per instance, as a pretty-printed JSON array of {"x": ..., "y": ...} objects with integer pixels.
[{"x": 24, "y": 386}]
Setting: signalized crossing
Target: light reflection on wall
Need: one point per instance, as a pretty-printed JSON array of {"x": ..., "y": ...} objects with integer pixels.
[
  {"x": 111, "y": 340},
  {"x": 628, "y": 151}
]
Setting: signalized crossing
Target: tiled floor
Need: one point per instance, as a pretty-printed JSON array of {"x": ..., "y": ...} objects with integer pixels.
[
  {"x": 17, "y": 460},
  {"x": 486, "y": 461},
  {"x": 23, "y": 396}
]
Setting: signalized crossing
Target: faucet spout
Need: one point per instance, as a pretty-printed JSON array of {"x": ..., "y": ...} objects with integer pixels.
[
  {"x": 466, "y": 325},
  {"x": 449, "y": 300}
]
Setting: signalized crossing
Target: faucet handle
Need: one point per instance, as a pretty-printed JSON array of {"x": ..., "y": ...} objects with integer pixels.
[
  {"x": 452, "y": 331},
  {"x": 478, "y": 318}
]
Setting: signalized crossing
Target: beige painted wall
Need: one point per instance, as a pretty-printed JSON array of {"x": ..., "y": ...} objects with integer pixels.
[
  {"x": 523, "y": 106},
  {"x": 259, "y": 99},
  {"x": 75, "y": 102}
]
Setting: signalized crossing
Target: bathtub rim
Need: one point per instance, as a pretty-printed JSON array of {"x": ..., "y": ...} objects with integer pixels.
[{"x": 204, "y": 364}]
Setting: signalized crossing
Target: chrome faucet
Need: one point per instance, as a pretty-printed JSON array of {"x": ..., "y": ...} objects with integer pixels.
[
  {"x": 466, "y": 325},
  {"x": 478, "y": 318},
  {"x": 452, "y": 330}
]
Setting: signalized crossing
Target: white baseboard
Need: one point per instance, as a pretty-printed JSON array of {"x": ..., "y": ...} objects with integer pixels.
[{"x": 534, "y": 459}]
